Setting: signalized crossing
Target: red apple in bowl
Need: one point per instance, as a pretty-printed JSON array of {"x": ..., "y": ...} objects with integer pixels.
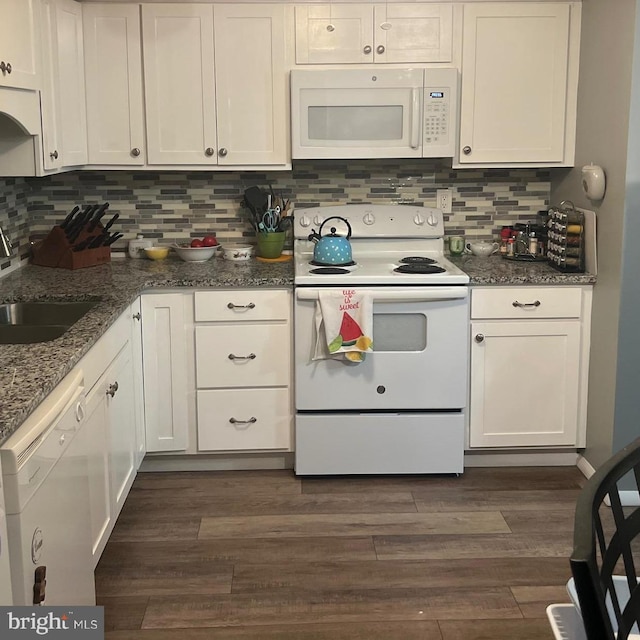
[
  {"x": 196, "y": 242},
  {"x": 209, "y": 241}
]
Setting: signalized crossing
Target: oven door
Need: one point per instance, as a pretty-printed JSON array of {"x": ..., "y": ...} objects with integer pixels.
[{"x": 419, "y": 360}]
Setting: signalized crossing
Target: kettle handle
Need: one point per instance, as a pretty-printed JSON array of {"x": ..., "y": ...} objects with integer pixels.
[{"x": 336, "y": 218}]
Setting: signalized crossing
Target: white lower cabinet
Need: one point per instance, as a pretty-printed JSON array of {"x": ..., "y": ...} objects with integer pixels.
[
  {"x": 243, "y": 370},
  {"x": 529, "y": 359},
  {"x": 165, "y": 362},
  {"x": 111, "y": 427}
]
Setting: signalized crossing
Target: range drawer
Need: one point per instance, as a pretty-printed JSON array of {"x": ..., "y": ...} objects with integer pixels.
[
  {"x": 243, "y": 355},
  {"x": 526, "y": 302},
  {"x": 242, "y": 305},
  {"x": 262, "y": 419}
]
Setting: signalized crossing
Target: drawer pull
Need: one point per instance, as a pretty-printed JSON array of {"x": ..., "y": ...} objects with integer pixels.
[
  {"x": 515, "y": 303},
  {"x": 241, "y": 306},
  {"x": 251, "y": 420},
  {"x": 251, "y": 356}
]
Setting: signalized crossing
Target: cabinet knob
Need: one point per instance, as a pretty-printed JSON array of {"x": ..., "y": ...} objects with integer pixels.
[
  {"x": 5, "y": 67},
  {"x": 479, "y": 338},
  {"x": 54, "y": 154},
  {"x": 111, "y": 391},
  {"x": 8, "y": 67},
  {"x": 137, "y": 316},
  {"x": 380, "y": 49},
  {"x": 209, "y": 151},
  {"x": 135, "y": 152},
  {"x": 222, "y": 153},
  {"x": 367, "y": 49},
  {"x": 466, "y": 150}
]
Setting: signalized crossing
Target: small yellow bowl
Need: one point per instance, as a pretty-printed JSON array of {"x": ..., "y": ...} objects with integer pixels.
[{"x": 157, "y": 253}]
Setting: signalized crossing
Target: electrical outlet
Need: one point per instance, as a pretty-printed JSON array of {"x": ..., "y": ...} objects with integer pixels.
[{"x": 443, "y": 200}]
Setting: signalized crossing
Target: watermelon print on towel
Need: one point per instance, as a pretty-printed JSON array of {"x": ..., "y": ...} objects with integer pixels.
[{"x": 344, "y": 326}]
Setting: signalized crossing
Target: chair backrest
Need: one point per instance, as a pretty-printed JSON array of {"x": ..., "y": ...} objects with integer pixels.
[{"x": 602, "y": 541}]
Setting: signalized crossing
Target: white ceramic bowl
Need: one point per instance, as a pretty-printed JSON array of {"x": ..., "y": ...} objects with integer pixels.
[
  {"x": 237, "y": 252},
  {"x": 195, "y": 254},
  {"x": 483, "y": 249}
]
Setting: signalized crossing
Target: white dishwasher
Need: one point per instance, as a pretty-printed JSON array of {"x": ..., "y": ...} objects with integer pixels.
[{"x": 46, "y": 486}]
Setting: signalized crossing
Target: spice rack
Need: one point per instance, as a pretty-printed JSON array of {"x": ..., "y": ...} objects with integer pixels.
[
  {"x": 56, "y": 251},
  {"x": 566, "y": 238}
]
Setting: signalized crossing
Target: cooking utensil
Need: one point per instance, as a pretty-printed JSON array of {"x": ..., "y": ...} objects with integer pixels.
[
  {"x": 332, "y": 249},
  {"x": 113, "y": 238},
  {"x": 110, "y": 223},
  {"x": 99, "y": 240},
  {"x": 95, "y": 218},
  {"x": 67, "y": 220},
  {"x": 74, "y": 227},
  {"x": 271, "y": 220}
]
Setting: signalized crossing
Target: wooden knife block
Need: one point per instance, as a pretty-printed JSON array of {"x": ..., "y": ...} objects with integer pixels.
[{"x": 56, "y": 251}]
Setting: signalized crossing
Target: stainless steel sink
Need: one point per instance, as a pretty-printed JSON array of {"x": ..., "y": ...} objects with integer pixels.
[{"x": 29, "y": 322}]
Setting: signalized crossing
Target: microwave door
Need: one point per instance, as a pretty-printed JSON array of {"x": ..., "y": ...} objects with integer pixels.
[{"x": 359, "y": 123}]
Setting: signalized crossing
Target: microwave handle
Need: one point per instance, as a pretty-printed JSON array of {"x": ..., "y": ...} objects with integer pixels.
[
  {"x": 415, "y": 118},
  {"x": 426, "y": 294}
]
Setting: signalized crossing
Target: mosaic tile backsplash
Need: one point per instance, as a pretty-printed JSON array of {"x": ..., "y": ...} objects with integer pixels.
[{"x": 174, "y": 206}]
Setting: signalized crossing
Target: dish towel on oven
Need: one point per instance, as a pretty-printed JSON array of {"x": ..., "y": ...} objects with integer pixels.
[{"x": 344, "y": 326}]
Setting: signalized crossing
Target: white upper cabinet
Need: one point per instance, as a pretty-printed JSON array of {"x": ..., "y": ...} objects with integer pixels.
[
  {"x": 19, "y": 39},
  {"x": 64, "y": 116},
  {"x": 519, "y": 83},
  {"x": 115, "y": 109},
  {"x": 180, "y": 83},
  {"x": 251, "y": 84},
  {"x": 361, "y": 33}
]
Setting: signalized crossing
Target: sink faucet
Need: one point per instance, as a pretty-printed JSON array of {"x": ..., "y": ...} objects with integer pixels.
[{"x": 6, "y": 248}]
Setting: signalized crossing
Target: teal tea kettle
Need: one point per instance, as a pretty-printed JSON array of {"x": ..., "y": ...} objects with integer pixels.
[{"x": 332, "y": 249}]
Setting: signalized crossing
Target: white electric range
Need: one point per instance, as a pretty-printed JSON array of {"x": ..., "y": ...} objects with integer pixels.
[{"x": 402, "y": 410}]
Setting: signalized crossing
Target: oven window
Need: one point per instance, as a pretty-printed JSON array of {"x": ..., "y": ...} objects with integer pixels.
[
  {"x": 355, "y": 122},
  {"x": 399, "y": 332}
]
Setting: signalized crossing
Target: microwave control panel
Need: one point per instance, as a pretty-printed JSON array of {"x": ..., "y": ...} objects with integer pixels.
[{"x": 440, "y": 111}]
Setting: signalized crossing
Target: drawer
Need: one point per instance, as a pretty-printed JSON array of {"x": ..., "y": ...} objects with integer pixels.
[
  {"x": 242, "y": 305},
  {"x": 526, "y": 302},
  {"x": 264, "y": 419},
  {"x": 243, "y": 356}
]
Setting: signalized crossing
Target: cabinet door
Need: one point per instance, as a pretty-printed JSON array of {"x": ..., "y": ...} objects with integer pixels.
[
  {"x": 524, "y": 383},
  {"x": 179, "y": 83},
  {"x": 51, "y": 122},
  {"x": 115, "y": 111},
  {"x": 165, "y": 371},
  {"x": 71, "y": 93},
  {"x": 121, "y": 410},
  {"x": 96, "y": 428},
  {"x": 334, "y": 33},
  {"x": 19, "y": 44},
  {"x": 138, "y": 385},
  {"x": 251, "y": 84},
  {"x": 413, "y": 33},
  {"x": 514, "y": 82}
]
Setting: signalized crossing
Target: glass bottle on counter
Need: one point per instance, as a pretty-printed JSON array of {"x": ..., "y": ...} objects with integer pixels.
[{"x": 533, "y": 244}]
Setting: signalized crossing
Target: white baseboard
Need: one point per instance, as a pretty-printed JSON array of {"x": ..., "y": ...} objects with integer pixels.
[
  {"x": 217, "y": 463},
  {"x": 521, "y": 459}
]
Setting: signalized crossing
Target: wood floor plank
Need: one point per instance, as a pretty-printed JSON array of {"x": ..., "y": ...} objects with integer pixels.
[
  {"x": 473, "y": 546},
  {"x": 217, "y": 482},
  {"x": 459, "y": 499},
  {"x": 160, "y": 503},
  {"x": 496, "y": 630},
  {"x": 137, "y": 526},
  {"x": 283, "y": 607},
  {"x": 397, "y": 630},
  {"x": 126, "y": 612},
  {"x": 353, "y": 524},
  {"x": 534, "y": 600},
  {"x": 479, "y": 479},
  {"x": 167, "y": 575},
  {"x": 250, "y": 550},
  {"x": 476, "y": 572},
  {"x": 557, "y": 522}
]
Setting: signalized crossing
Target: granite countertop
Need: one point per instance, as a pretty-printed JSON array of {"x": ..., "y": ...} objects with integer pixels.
[
  {"x": 30, "y": 372},
  {"x": 494, "y": 270}
]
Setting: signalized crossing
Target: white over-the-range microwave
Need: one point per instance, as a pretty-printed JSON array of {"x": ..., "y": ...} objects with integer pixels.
[{"x": 377, "y": 113}]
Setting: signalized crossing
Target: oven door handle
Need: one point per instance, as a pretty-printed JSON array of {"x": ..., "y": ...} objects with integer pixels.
[{"x": 427, "y": 294}]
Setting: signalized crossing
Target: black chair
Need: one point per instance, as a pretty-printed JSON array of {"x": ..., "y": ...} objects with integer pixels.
[{"x": 602, "y": 562}]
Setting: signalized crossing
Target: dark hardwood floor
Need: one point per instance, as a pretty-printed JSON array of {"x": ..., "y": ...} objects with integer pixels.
[{"x": 263, "y": 555}]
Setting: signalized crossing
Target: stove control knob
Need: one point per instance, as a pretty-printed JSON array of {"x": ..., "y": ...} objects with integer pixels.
[
  {"x": 432, "y": 220},
  {"x": 305, "y": 221},
  {"x": 418, "y": 219},
  {"x": 317, "y": 220},
  {"x": 368, "y": 218}
]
